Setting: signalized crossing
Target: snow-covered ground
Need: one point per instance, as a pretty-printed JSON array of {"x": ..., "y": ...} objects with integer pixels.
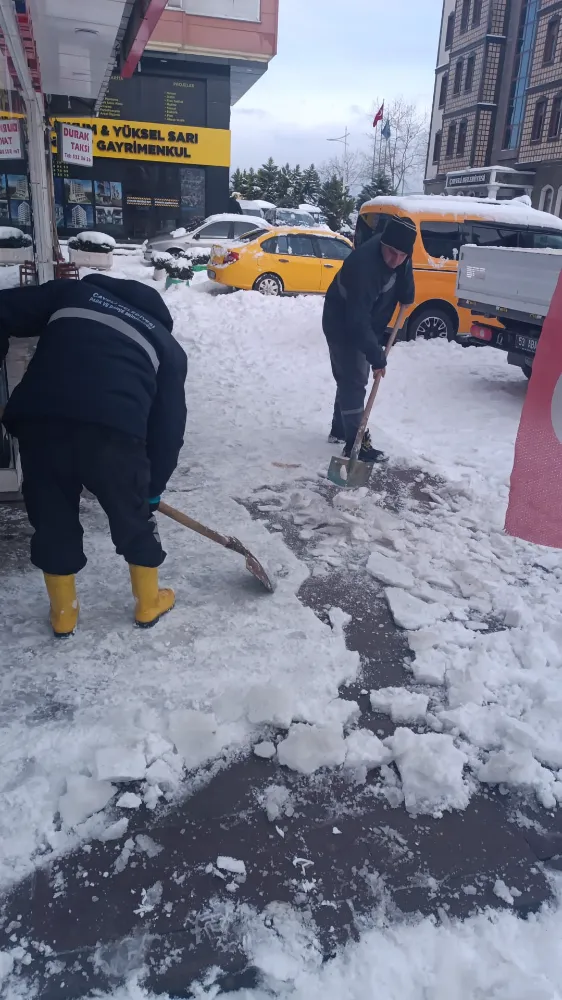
[{"x": 482, "y": 610}]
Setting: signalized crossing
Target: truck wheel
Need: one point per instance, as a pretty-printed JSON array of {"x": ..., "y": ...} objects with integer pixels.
[
  {"x": 269, "y": 284},
  {"x": 527, "y": 368},
  {"x": 429, "y": 323}
]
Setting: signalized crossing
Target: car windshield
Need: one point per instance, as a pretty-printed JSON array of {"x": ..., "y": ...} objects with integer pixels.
[{"x": 287, "y": 217}]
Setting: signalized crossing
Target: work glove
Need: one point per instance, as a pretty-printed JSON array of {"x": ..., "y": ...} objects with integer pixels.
[
  {"x": 376, "y": 356},
  {"x": 153, "y": 504}
]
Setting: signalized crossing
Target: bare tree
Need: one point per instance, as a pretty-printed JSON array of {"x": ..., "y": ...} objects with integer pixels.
[
  {"x": 349, "y": 167},
  {"x": 402, "y": 155}
]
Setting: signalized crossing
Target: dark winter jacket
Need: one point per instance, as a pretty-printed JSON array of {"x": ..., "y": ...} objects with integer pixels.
[
  {"x": 234, "y": 206},
  {"x": 105, "y": 355},
  {"x": 362, "y": 298}
]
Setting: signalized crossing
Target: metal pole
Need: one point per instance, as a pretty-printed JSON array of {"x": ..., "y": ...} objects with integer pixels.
[{"x": 36, "y": 134}]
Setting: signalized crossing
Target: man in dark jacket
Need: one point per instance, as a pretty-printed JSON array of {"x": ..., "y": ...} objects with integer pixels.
[
  {"x": 234, "y": 206},
  {"x": 101, "y": 406},
  {"x": 358, "y": 308}
]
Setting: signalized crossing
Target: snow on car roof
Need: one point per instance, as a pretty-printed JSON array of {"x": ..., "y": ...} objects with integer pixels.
[
  {"x": 516, "y": 211},
  {"x": 309, "y": 231},
  {"x": 232, "y": 217},
  {"x": 258, "y": 202}
]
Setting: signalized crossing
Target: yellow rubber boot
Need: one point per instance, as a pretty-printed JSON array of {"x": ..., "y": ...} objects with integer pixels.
[
  {"x": 150, "y": 602},
  {"x": 64, "y": 604}
]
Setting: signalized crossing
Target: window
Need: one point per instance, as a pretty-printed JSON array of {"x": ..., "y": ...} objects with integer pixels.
[
  {"x": 461, "y": 140},
  {"x": 546, "y": 199},
  {"x": 369, "y": 225},
  {"x": 522, "y": 64},
  {"x": 437, "y": 146},
  {"x": 476, "y": 13},
  {"x": 458, "y": 76},
  {"x": 441, "y": 239},
  {"x": 540, "y": 239},
  {"x": 246, "y": 237},
  {"x": 301, "y": 246},
  {"x": 451, "y": 137},
  {"x": 494, "y": 236},
  {"x": 221, "y": 229},
  {"x": 277, "y": 244},
  {"x": 332, "y": 249},
  {"x": 539, "y": 120},
  {"x": 469, "y": 78},
  {"x": 450, "y": 34},
  {"x": 551, "y": 40},
  {"x": 555, "y": 118},
  {"x": 465, "y": 15},
  {"x": 241, "y": 228},
  {"x": 443, "y": 90}
]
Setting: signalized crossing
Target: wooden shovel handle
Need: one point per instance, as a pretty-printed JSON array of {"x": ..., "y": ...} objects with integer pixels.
[
  {"x": 374, "y": 391},
  {"x": 188, "y": 522}
]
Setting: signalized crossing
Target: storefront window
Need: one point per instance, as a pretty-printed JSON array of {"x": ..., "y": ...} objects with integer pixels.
[{"x": 192, "y": 186}]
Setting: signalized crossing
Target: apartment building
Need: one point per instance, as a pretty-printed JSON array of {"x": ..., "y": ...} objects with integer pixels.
[
  {"x": 432, "y": 180},
  {"x": 498, "y": 132}
]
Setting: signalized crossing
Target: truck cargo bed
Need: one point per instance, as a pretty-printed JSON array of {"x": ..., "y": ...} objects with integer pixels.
[{"x": 504, "y": 281}]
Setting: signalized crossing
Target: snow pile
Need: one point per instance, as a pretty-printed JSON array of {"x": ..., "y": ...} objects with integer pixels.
[
  {"x": 83, "y": 797},
  {"x": 431, "y": 768},
  {"x": 402, "y": 705},
  {"x": 389, "y": 571},
  {"x": 411, "y": 613},
  {"x": 309, "y": 748},
  {"x": 364, "y": 750}
]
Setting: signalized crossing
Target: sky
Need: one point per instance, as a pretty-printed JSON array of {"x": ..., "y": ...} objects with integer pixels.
[{"x": 336, "y": 60}]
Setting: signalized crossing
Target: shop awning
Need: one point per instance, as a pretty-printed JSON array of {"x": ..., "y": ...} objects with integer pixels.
[{"x": 72, "y": 46}]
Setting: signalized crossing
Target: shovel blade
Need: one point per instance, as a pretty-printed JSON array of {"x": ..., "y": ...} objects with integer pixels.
[
  {"x": 349, "y": 474},
  {"x": 256, "y": 569}
]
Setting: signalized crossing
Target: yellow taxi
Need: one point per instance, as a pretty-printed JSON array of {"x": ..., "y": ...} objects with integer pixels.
[
  {"x": 444, "y": 225},
  {"x": 281, "y": 260}
]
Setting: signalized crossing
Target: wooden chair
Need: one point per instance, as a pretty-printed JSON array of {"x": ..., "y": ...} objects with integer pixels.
[
  {"x": 65, "y": 270},
  {"x": 28, "y": 273}
]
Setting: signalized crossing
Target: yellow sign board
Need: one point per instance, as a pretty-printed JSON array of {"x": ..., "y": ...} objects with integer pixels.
[{"x": 125, "y": 140}]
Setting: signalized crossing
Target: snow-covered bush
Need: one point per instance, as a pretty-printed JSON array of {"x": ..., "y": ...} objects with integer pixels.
[
  {"x": 91, "y": 242},
  {"x": 179, "y": 268},
  {"x": 11, "y": 238}
]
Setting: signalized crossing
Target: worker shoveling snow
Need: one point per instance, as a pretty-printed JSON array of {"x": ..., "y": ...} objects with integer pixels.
[{"x": 234, "y": 669}]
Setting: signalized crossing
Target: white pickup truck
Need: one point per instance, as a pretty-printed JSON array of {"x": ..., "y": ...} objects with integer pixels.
[{"x": 513, "y": 288}]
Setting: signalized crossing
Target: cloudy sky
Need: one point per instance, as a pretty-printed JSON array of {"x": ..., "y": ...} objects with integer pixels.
[{"x": 336, "y": 59}]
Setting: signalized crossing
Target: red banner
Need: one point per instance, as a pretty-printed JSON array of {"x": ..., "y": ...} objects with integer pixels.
[{"x": 535, "y": 500}]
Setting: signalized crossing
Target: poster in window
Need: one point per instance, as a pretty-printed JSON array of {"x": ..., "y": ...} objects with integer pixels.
[
  {"x": 109, "y": 194},
  {"x": 20, "y": 213},
  {"x": 79, "y": 216},
  {"x": 193, "y": 190},
  {"x": 109, "y": 216},
  {"x": 78, "y": 192},
  {"x": 4, "y": 211},
  {"x": 18, "y": 187},
  {"x": 58, "y": 184}
]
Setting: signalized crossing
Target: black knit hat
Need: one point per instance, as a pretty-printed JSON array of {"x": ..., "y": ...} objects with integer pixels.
[{"x": 400, "y": 233}]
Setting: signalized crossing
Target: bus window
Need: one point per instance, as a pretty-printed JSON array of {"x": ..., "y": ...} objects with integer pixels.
[
  {"x": 365, "y": 229},
  {"x": 540, "y": 239},
  {"x": 484, "y": 235},
  {"x": 441, "y": 239}
]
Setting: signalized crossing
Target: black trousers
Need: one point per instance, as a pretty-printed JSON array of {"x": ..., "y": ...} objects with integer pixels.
[
  {"x": 59, "y": 458},
  {"x": 351, "y": 370}
]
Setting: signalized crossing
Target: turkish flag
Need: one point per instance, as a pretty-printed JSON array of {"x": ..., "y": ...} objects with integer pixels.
[
  {"x": 379, "y": 116},
  {"x": 535, "y": 499}
]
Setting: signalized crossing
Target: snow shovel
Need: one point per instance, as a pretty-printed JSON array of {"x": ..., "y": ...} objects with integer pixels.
[
  {"x": 252, "y": 565},
  {"x": 349, "y": 472}
]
